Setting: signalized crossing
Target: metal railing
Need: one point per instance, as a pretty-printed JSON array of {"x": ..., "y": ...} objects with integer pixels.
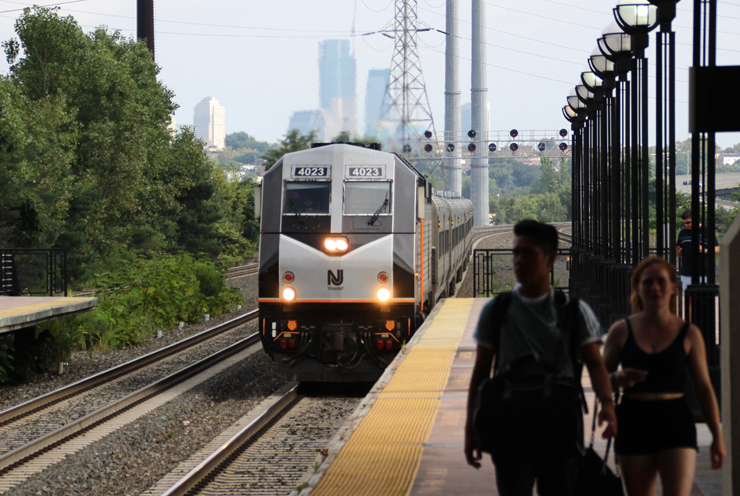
[
  {"x": 493, "y": 271},
  {"x": 33, "y": 272}
]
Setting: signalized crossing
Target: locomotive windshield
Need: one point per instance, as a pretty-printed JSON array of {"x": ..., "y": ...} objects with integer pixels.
[
  {"x": 367, "y": 198},
  {"x": 307, "y": 198}
]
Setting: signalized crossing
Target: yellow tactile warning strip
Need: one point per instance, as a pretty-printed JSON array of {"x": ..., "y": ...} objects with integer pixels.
[{"x": 382, "y": 455}]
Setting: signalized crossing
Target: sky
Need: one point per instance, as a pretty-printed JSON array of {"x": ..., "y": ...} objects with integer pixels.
[{"x": 260, "y": 58}]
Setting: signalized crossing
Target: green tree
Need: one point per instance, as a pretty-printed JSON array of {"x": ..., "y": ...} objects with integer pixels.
[
  {"x": 292, "y": 142},
  {"x": 243, "y": 141},
  {"x": 37, "y": 140}
]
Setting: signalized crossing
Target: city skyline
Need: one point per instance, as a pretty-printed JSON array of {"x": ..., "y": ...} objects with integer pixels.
[{"x": 261, "y": 60}]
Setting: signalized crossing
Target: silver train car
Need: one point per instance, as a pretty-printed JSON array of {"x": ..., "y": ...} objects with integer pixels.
[{"x": 355, "y": 249}]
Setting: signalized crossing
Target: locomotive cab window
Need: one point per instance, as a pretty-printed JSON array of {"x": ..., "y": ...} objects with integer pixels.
[
  {"x": 307, "y": 198},
  {"x": 367, "y": 198}
]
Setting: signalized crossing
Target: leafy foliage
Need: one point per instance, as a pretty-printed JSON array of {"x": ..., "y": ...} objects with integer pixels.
[{"x": 294, "y": 141}]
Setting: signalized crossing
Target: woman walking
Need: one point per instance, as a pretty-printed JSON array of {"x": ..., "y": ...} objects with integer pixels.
[{"x": 656, "y": 434}]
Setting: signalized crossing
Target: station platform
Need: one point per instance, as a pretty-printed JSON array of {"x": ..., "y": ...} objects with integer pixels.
[
  {"x": 20, "y": 312},
  {"x": 407, "y": 437}
]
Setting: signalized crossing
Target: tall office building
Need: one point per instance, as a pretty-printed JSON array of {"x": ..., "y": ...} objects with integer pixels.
[
  {"x": 306, "y": 121},
  {"x": 209, "y": 121},
  {"x": 337, "y": 93},
  {"x": 377, "y": 80}
]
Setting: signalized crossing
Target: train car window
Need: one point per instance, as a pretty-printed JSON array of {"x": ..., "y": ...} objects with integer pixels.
[
  {"x": 307, "y": 198},
  {"x": 367, "y": 197}
]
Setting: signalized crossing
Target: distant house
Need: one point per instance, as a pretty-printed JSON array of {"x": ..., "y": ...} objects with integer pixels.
[{"x": 730, "y": 158}]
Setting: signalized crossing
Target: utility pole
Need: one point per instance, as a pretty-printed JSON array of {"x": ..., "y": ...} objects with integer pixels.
[
  {"x": 405, "y": 103},
  {"x": 453, "y": 159},
  {"x": 145, "y": 22},
  {"x": 479, "y": 116}
]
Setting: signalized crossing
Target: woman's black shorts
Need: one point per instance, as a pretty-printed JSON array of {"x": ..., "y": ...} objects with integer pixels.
[{"x": 646, "y": 427}]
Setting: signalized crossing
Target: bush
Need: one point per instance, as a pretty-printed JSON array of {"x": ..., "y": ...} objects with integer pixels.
[
  {"x": 210, "y": 281},
  {"x": 137, "y": 299}
]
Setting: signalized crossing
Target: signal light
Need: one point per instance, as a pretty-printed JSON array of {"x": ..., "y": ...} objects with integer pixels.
[
  {"x": 514, "y": 133},
  {"x": 563, "y": 133},
  {"x": 450, "y": 147},
  {"x": 427, "y": 148},
  {"x": 283, "y": 344},
  {"x": 541, "y": 147},
  {"x": 492, "y": 147},
  {"x": 383, "y": 277},
  {"x": 406, "y": 148},
  {"x": 389, "y": 344},
  {"x": 427, "y": 134},
  {"x": 471, "y": 147},
  {"x": 471, "y": 133},
  {"x": 380, "y": 344},
  {"x": 514, "y": 147},
  {"x": 288, "y": 277},
  {"x": 334, "y": 245},
  {"x": 383, "y": 294},
  {"x": 563, "y": 146},
  {"x": 288, "y": 294}
]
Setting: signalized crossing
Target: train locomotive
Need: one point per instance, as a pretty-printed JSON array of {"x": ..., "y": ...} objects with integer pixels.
[{"x": 355, "y": 249}]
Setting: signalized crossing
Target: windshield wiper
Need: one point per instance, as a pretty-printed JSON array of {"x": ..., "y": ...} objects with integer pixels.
[
  {"x": 377, "y": 212},
  {"x": 295, "y": 209}
]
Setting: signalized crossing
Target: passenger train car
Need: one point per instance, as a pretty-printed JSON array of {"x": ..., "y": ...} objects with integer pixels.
[{"x": 355, "y": 249}]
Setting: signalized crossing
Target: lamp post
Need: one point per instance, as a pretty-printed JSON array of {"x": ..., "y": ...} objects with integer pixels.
[
  {"x": 575, "y": 115},
  {"x": 590, "y": 187},
  {"x": 603, "y": 69},
  {"x": 637, "y": 18},
  {"x": 616, "y": 46},
  {"x": 665, "y": 129}
]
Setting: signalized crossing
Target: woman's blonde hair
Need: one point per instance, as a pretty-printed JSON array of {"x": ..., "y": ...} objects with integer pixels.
[{"x": 635, "y": 300}]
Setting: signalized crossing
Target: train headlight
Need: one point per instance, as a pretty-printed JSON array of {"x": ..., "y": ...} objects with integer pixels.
[
  {"x": 336, "y": 245},
  {"x": 383, "y": 294},
  {"x": 288, "y": 294}
]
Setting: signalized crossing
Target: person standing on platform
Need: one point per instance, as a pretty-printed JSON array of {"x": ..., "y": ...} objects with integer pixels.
[
  {"x": 683, "y": 248},
  {"x": 657, "y": 435},
  {"x": 534, "y": 362}
]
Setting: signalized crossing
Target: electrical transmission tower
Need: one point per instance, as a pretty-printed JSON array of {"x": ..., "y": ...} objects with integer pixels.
[{"x": 406, "y": 112}]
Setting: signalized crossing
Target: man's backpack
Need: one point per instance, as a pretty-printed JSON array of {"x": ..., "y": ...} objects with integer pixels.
[
  {"x": 496, "y": 390},
  {"x": 567, "y": 316}
]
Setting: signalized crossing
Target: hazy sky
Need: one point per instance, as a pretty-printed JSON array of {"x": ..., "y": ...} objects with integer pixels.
[{"x": 260, "y": 58}]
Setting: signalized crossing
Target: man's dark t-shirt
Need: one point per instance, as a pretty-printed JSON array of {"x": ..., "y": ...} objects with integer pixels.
[{"x": 684, "y": 241}]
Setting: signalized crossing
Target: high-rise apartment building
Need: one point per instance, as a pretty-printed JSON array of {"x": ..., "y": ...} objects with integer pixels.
[
  {"x": 209, "y": 121},
  {"x": 337, "y": 81},
  {"x": 377, "y": 80}
]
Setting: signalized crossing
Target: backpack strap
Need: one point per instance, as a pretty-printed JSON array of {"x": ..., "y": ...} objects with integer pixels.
[{"x": 500, "y": 307}]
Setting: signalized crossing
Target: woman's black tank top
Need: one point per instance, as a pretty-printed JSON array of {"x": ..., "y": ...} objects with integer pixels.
[{"x": 666, "y": 369}]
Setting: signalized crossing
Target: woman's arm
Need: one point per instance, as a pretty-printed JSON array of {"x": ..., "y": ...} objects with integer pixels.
[
  {"x": 697, "y": 360},
  {"x": 615, "y": 339}
]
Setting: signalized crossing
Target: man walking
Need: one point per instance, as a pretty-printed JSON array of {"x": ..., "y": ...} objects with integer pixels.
[
  {"x": 536, "y": 420},
  {"x": 683, "y": 248}
]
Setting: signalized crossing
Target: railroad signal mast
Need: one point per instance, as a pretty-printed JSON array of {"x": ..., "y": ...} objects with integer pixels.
[{"x": 504, "y": 143}]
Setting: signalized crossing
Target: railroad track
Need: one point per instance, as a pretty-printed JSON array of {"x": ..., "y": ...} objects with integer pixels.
[
  {"x": 242, "y": 270},
  {"x": 212, "y": 474},
  {"x": 24, "y": 461}
]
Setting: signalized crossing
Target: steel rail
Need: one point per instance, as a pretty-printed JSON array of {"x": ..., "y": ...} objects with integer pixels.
[
  {"x": 225, "y": 453},
  {"x": 28, "y": 452},
  {"x": 47, "y": 400}
]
